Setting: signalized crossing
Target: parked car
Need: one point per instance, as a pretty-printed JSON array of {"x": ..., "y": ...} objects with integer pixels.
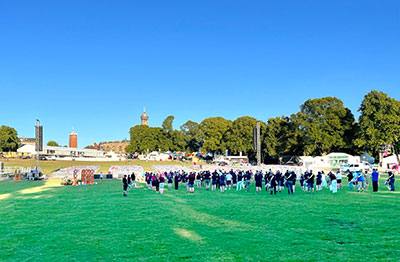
[{"x": 351, "y": 168}]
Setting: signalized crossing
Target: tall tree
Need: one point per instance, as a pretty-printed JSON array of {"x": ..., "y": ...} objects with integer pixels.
[
  {"x": 211, "y": 133},
  {"x": 280, "y": 138},
  {"x": 379, "y": 122},
  {"x": 8, "y": 139},
  {"x": 191, "y": 134},
  {"x": 322, "y": 124},
  {"x": 239, "y": 137},
  {"x": 177, "y": 141},
  {"x": 167, "y": 124}
]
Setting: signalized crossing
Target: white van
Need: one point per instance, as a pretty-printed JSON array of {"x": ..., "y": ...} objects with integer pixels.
[{"x": 351, "y": 168}]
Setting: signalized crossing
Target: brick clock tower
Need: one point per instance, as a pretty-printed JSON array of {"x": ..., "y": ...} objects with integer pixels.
[
  {"x": 144, "y": 118},
  {"x": 73, "y": 139}
]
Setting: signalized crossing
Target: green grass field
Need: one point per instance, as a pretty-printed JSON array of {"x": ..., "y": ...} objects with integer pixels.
[{"x": 41, "y": 221}]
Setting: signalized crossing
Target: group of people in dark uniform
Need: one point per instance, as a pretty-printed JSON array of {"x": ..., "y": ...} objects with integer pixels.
[
  {"x": 272, "y": 182},
  {"x": 222, "y": 180}
]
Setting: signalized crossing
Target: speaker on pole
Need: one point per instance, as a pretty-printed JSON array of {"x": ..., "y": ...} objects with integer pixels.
[{"x": 38, "y": 138}]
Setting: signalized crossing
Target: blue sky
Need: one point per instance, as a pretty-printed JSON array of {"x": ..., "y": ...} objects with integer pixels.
[{"x": 94, "y": 65}]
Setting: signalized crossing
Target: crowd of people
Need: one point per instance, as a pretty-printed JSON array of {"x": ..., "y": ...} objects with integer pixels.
[{"x": 272, "y": 182}]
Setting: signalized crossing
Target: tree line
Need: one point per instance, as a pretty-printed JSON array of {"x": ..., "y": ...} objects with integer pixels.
[{"x": 321, "y": 126}]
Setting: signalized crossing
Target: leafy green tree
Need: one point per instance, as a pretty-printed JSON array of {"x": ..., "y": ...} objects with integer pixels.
[
  {"x": 191, "y": 133},
  {"x": 177, "y": 141},
  {"x": 167, "y": 124},
  {"x": 281, "y": 138},
  {"x": 239, "y": 137},
  {"x": 322, "y": 124},
  {"x": 52, "y": 143},
  {"x": 145, "y": 138},
  {"x": 8, "y": 139},
  {"x": 379, "y": 122},
  {"x": 211, "y": 132}
]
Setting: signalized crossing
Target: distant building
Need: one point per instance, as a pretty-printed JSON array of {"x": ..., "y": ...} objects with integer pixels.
[
  {"x": 117, "y": 147},
  {"x": 73, "y": 139},
  {"x": 27, "y": 141},
  {"x": 144, "y": 118},
  {"x": 62, "y": 152}
]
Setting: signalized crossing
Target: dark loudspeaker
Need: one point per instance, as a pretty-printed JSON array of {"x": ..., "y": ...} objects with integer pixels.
[{"x": 39, "y": 138}]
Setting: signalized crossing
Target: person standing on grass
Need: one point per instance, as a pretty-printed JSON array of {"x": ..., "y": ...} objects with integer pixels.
[
  {"x": 350, "y": 178},
  {"x": 247, "y": 178},
  {"x": 148, "y": 180},
  {"x": 339, "y": 178},
  {"x": 222, "y": 181},
  {"x": 162, "y": 181},
  {"x": 324, "y": 183},
  {"x": 198, "y": 180},
  {"x": 219, "y": 179},
  {"x": 289, "y": 182},
  {"x": 333, "y": 180},
  {"x": 133, "y": 179},
  {"x": 239, "y": 181},
  {"x": 234, "y": 178},
  {"x": 129, "y": 182},
  {"x": 157, "y": 182},
  {"x": 391, "y": 180},
  {"x": 191, "y": 179},
  {"x": 294, "y": 178},
  {"x": 266, "y": 181},
  {"x": 258, "y": 179},
  {"x": 375, "y": 180},
  {"x": 278, "y": 180},
  {"x": 176, "y": 180},
  {"x": 360, "y": 181},
  {"x": 207, "y": 177},
  {"x": 273, "y": 183},
  {"x": 214, "y": 181},
  {"x": 319, "y": 182},
  {"x": 229, "y": 180},
  {"x": 101, "y": 176},
  {"x": 366, "y": 182},
  {"x": 125, "y": 185},
  {"x": 170, "y": 177},
  {"x": 310, "y": 182}
]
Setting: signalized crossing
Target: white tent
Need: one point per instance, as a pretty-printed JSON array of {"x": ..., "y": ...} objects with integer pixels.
[
  {"x": 27, "y": 149},
  {"x": 389, "y": 160}
]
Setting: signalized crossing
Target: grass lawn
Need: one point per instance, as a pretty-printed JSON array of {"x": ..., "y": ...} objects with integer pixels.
[
  {"x": 50, "y": 166},
  {"x": 41, "y": 221}
]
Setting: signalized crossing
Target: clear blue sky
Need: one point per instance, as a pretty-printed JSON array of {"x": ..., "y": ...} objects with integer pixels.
[{"x": 94, "y": 65}]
